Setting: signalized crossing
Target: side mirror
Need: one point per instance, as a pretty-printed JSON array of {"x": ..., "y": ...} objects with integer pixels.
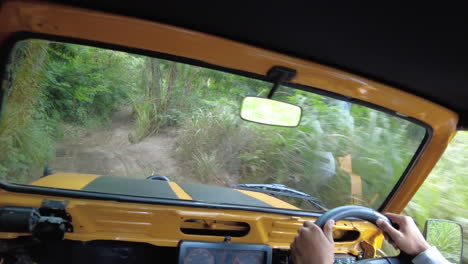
[
  {"x": 270, "y": 112},
  {"x": 447, "y": 237}
]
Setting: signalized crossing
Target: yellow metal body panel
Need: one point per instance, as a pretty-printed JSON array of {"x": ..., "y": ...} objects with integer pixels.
[
  {"x": 160, "y": 225},
  {"x": 269, "y": 199},
  {"x": 72, "y": 181},
  {"x": 179, "y": 191},
  {"x": 53, "y": 19}
]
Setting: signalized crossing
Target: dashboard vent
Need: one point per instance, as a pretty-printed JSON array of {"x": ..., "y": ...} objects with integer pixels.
[
  {"x": 203, "y": 227},
  {"x": 284, "y": 230}
]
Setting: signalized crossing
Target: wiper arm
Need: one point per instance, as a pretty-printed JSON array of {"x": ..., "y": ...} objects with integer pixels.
[{"x": 280, "y": 189}]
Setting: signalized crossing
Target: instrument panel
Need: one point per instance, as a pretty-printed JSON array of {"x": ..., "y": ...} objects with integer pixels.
[{"x": 194, "y": 252}]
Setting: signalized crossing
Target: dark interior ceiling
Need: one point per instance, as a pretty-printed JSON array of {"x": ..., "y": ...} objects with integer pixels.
[{"x": 420, "y": 49}]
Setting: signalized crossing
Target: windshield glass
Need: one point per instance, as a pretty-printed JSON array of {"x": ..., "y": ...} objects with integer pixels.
[{"x": 92, "y": 119}]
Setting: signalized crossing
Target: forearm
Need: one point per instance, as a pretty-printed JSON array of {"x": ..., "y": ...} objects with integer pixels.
[{"x": 430, "y": 256}]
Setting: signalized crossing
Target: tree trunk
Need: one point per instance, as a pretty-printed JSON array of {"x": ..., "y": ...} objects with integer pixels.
[
  {"x": 155, "y": 92},
  {"x": 171, "y": 85}
]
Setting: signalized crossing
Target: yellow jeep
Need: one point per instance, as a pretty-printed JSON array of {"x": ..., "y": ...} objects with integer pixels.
[{"x": 134, "y": 133}]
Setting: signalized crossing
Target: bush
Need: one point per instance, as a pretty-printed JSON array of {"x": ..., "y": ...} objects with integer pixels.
[
  {"x": 85, "y": 83},
  {"x": 50, "y": 83},
  {"x": 443, "y": 195},
  {"x": 213, "y": 137},
  {"x": 143, "y": 112},
  {"x": 26, "y": 132}
]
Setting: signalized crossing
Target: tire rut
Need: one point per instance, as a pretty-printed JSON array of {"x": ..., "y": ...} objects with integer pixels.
[{"x": 108, "y": 151}]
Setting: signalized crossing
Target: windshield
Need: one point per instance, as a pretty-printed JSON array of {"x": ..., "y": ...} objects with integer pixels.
[{"x": 79, "y": 117}]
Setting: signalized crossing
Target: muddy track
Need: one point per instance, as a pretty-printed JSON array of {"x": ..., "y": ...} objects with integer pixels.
[{"x": 108, "y": 151}]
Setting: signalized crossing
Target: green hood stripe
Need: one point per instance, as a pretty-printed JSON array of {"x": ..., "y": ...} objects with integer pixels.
[
  {"x": 134, "y": 187},
  {"x": 220, "y": 195},
  {"x": 162, "y": 189}
]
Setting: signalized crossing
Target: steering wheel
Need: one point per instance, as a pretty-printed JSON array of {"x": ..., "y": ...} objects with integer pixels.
[
  {"x": 360, "y": 212},
  {"x": 363, "y": 213}
]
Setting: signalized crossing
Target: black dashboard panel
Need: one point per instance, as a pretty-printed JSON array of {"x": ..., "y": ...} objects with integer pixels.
[
  {"x": 193, "y": 252},
  {"x": 30, "y": 250}
]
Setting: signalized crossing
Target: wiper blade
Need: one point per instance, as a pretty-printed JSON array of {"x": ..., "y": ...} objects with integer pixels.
[{"x": 280, "y": 189}]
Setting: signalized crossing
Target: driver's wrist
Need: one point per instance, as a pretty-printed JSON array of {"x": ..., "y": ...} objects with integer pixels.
[{"x": 420, "y": 248}]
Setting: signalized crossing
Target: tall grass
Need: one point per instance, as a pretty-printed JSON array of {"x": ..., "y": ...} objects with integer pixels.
[
  {"x": 164, "y": 93},
  {"x": 443, "y": 195},
  {"x": 25, "y": 131},
  {"x": 447, "y": 238},
  {"x": 50, "y": 83},
  {"x": 306, "y": 158},
  {"x": 210, "y": 142},
  {"x": 143, "y": 114}
]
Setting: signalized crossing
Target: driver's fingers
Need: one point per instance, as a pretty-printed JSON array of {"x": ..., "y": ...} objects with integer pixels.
[
  {"x": 308, "y": 223},
  {"x": 396, "y": 218},
  {"x": 292, "y": 247},
  {"x": 302, "y": 231},
  {"x": 389, "y": 240},
  {"x": 328, "y": 230},
  {"x": 394, "y": 245},
  {"x": 390, "y": 230}
]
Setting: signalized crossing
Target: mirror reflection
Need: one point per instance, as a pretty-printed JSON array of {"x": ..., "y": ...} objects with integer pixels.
[
  {"x": 447, "y": 237},
  {"x": 270, "y": 112}
]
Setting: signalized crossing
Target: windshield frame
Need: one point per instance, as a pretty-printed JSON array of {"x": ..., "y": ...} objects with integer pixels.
[{"x": 125, "y": 198}]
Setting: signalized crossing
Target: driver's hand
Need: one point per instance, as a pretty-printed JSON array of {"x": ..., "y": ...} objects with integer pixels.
[
  {"x": 312, "y": 245},
  {"x": 407, "y": 237}
]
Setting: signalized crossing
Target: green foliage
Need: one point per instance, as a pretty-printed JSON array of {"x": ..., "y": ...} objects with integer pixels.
[
  {"x": 25, "y": 130},
  {"x": 332, "y": 129},
  {"x": 85, "y": 83},
  {"x": 164, "y": 94},
  {"x": 443, "y": 195},
  {"x": 295, "y": 157},
  {"x": 207, "y": 168},
  {"x": 446, "y": 237},
  {"x": 53, "y": 85},
  {"x": 144, "y": 113},
  {"x": 213, "y": 138}
]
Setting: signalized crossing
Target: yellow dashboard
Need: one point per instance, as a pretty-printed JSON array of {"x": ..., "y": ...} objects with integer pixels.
[{"x": 163, "y": 225}]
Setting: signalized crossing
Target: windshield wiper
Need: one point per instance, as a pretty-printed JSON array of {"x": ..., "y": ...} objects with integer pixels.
[{"x": 280, "y": 189}]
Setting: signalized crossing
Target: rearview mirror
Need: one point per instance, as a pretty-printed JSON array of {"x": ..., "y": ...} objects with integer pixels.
[
  {"x": 270, "y": 112},
  {"x": 447, "y": 237}
]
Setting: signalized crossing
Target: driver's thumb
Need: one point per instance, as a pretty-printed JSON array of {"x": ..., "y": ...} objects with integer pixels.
[
  {"x": 328, "y": 230},
  {"x": 387, "y": 228}
]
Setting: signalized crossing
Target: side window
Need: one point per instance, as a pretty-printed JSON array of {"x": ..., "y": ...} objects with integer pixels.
[{"x": 444, "y": 194}]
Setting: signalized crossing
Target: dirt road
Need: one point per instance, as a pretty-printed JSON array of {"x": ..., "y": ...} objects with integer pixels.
[{"x": 108, "y": 151}]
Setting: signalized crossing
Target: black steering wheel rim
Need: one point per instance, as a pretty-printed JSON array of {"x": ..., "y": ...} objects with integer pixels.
[
  {"x": 354, "y": 211},
  {"x": 367, "y": 214}
]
